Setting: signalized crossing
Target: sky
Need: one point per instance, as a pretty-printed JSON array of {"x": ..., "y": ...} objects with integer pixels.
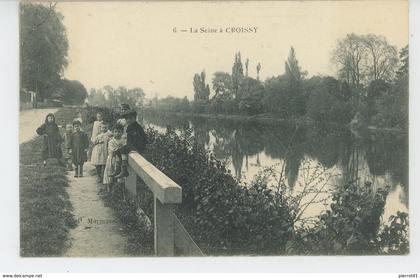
[{"x": 133, "y": 44}]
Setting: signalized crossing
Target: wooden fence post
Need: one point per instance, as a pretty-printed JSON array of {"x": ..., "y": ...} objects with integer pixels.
[
  {"x": 131, "y": 182},
  {"x": 163, "y": 228}
]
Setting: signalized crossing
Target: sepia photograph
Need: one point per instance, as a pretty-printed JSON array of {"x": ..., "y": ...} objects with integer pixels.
[{"x": 213, "y": 128}]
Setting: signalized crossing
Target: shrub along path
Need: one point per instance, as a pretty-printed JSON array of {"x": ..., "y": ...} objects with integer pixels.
[{"x": 98, "y": 232}]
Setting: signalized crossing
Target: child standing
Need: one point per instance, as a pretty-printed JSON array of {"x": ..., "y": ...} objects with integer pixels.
[
  {"x": 51, "y": 147},
  {"x": 67, "y": 146},
  {"x": 113, "y": 144},
  {"x": 79, "y": 145},
  {"x": 99, "y": 151},
  {"x": 96, "y": 129}
]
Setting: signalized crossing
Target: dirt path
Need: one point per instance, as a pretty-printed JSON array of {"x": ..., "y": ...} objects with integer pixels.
[
  {"x": 97, "y": 233},
  {"x": 30, "y": 120}
]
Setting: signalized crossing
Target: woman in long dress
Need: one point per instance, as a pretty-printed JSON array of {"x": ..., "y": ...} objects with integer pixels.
[{"x": 51, "y": 147}]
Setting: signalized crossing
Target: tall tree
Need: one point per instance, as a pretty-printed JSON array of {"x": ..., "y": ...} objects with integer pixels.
[
  {"x": 43, "y": 47},
  {"x": 292, "y": 68},
  {"x": 258, "y": 70},
  {"x": 294, "y": 75},
  {"x": 348, "y": 56},
  {"x": 201, "y": 89},
  {"x": 237, "y": 74},
  {"x": 362, "y": 59},
  {"x": 246, "y": 67},
  {"x": 381, "y": 59},
  {"x": 403, "y": 69}
]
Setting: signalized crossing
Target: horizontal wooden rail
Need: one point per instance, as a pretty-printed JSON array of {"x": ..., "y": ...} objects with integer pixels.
[{"x": 169, "y": 233}]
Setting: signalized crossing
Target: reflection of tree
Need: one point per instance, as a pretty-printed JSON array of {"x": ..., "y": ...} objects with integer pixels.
[
  {"x": 237, "y": 156},
  {"x": 388, "y": 153},
  {"x": 293, "y": 161},
  {"x": 330, "y": 146},
  {"x": 324, "y": 144}
]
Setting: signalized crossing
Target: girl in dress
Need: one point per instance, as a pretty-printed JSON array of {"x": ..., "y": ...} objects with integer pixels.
[
  {"x": 51, "y": 147},
  {"x": 95, "y": 131},
  {"x": 100, "y": 151},
  {"x": 114, "y": 144}
]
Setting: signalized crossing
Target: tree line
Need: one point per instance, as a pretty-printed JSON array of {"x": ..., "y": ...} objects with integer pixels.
[
  {"x": 111, "y": 97},
  {"x": 43, "y": 55},
  {"x": 371, "y": 85}
]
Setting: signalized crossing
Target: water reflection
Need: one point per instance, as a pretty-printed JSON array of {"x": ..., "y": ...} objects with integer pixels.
[{"x": 379, "y": 158}]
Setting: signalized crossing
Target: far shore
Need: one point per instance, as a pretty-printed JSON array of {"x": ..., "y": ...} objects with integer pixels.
[{"x": 269, "y": 119}]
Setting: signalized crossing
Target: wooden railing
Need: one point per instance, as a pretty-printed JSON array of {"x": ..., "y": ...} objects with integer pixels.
[{"x": 169, "y": 234}]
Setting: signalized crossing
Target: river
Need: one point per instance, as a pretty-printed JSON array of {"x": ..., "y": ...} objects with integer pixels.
[{"x": 308, "y": 157}]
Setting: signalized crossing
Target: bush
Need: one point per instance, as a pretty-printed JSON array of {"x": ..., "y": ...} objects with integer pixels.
[
  {"x": 225, "y": 216},
  {"x": 352, "y": 226}
]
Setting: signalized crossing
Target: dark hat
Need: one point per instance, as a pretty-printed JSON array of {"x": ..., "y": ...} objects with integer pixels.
[
  {"x": 125, "y": 106},
  {"x": 129, "y": 113},
  {"x": 118, "y": 127},
  {"x": 77, "y": 122}
]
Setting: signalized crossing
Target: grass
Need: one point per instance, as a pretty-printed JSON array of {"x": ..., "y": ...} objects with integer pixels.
[{"x": 45, "y": 210}]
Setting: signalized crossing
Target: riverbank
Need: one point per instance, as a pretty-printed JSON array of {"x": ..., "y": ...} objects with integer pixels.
[
  {"x": 45, "y": 210},
  {"x": 269, "y": 119}
]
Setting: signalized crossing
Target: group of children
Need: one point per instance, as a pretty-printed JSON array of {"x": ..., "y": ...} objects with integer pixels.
[{"x": 109, "y": 151}]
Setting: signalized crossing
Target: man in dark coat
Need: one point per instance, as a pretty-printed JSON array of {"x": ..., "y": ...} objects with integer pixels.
[{"x": 136, "y": 140}]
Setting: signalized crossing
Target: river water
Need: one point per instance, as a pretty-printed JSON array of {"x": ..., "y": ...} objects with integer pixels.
[{"x": 310, "y": 158}]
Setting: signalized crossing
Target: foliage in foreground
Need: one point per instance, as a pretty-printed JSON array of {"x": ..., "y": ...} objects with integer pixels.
[{"x": 352, "y": 226}]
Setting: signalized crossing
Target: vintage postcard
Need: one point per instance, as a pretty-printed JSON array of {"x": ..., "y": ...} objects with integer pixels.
[{"x": 213, "y": 128}]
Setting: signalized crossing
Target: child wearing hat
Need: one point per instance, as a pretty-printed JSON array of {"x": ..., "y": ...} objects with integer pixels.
[
  {"x": 136, "y": 141},
  {"x": 79, "y": 144}
]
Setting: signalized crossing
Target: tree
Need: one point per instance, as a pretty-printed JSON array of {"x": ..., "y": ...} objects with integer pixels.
[
  {"x": 222, "y": 85},
  {"x": 201, "y": 89},
  {"x": 362, "y": 59},
  {"x": 392, "y": 107},
  {"x": 246, "y": 67},
  {"x": 403, "y": 69},
  {"x": 294, "y": 76},
  {"x": 292, "y": 68},
  {"x": 43, "y": 48},
  {"x": 348, "y": 56},
  {"x": 252, "y": 94},
  {"x": 381, "y": 59},
  {"x": 237, "y": 75},
  {"x": 97, "y": 98},
  {"x": 258, "y": 71},
  {"x": 133, "y": 97},
  {"x": 325, "y": 103},
  {"x": 278, "y": 96},
  {"x": 73, "y": 91}
]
